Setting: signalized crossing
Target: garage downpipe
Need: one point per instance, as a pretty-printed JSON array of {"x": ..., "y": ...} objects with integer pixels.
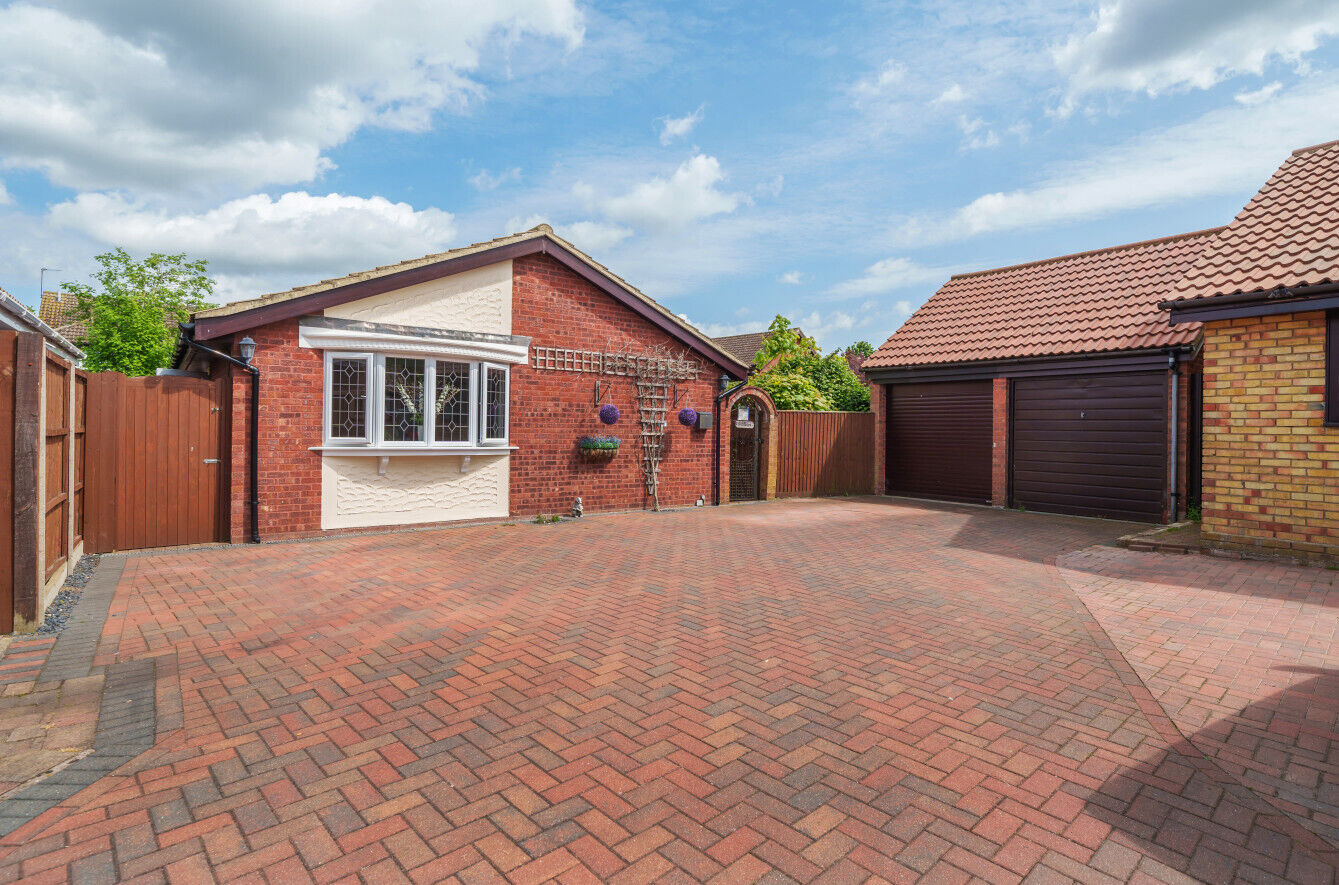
[
  {"x": 725, "y": 391},
  {"x": 253, "y": 437},
  {"x": 1173, "y": 367}
]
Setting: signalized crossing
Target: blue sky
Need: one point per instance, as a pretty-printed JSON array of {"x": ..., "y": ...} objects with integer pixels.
[{"x": 834, "y": 162}]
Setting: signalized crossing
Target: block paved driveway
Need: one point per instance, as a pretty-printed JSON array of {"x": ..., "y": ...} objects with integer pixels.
[{"x": 811, "y": 690}]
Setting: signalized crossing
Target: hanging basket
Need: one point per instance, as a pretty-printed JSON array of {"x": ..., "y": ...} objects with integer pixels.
[{"x": 598, "y": 449}]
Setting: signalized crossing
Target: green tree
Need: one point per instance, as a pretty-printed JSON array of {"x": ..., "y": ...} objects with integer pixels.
[
  {"x": 862, "y": 349},
  {"x": 131, "y": 313},
  {"x": 791, "y": 369}
]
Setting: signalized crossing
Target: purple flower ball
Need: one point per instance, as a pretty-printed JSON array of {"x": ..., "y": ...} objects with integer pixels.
[
  {"x": 688, "y": 417},
  {"x": 609, "y": 413}
]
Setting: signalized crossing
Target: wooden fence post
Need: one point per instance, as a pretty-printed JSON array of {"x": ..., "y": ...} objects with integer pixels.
[{"x": 28, "y": 368}]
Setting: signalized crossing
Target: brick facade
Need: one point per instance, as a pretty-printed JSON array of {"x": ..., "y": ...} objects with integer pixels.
[
  {"x": 1271, "y": 467},
  {"x": 878, "y": 404},
  {"x": 291, "y": 398},
  {"x": 549, "y": 411},
  {"x": 999, "y": 452}
]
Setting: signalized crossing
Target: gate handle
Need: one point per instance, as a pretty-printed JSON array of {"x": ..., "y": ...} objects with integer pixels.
[{"x": 211, "y": 460}]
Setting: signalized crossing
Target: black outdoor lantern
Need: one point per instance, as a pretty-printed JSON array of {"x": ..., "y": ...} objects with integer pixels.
[{"x": 247, "y": 348}]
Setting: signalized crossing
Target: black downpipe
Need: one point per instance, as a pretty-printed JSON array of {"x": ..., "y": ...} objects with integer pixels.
[
  {"x": 253, "y": 444},
  {"x": 726, "y": 391}
]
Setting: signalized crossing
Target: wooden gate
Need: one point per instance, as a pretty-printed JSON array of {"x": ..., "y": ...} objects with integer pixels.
[
  {"x": 825, "y": 453},
  {"x": 157, "y": 462}
]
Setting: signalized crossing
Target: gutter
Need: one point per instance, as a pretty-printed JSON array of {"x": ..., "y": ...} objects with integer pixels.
[
  {"x": 1188, "y": 306},
  {"x": 725, "y": 392},
  {"x": 253, "y": 437}
]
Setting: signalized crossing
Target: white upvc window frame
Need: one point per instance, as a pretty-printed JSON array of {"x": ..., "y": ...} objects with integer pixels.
[
  {"x": 369, "y": 400},
  {"x": 484, "y": 438},
  {"x": 471, "y": 411},
  {"x": 376, "y": 401}
]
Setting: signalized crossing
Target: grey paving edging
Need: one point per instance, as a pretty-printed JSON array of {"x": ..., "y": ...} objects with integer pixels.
[
  {"x": 72, "y": 656},
  {"x": 126, "y": 715},
  {"x": 126, "y": 728}
]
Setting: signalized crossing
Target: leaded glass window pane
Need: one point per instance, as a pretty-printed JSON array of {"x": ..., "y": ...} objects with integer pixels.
[
  {"x": 348, "y": 398},
  {"x": 452, "y": 402},
  {"x": 403, "y": 398},
  {"x": 495, "y": 404}
]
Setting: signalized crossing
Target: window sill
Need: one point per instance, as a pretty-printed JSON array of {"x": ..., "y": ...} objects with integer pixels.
[{"x": 384, "y": 451}]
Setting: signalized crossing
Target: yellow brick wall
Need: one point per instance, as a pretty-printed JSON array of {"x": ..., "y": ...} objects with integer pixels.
[{"x": 1271, "y": 467}]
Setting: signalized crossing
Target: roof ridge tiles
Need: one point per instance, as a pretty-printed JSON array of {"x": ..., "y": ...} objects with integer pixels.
[
  {"x": 1158, "y": 241},
  {"x": 1316, "y": 147}
]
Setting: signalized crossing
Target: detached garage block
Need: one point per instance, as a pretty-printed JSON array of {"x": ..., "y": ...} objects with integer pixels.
[{"x": 1048, "y": 386}]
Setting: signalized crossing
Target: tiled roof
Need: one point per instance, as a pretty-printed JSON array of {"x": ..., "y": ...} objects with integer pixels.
[
  {"x": 1092, "y": 302},
  {"x": 743, "y": 347},
  {"x": 682, "y": 328},
  {"x": 57, "y": 310},
  {"x": 1287, "y": 236}
]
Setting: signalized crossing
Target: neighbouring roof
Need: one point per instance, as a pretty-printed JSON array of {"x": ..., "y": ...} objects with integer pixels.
[
  {"x": 1286, "y": 237},
  {"x": 231, "y": 317},
  {"x": 744, "y": 347},
  {"x": 57, "y": 311},
  {"x": 1091, "y": 302},
  {"x": 18, "y": 316}
]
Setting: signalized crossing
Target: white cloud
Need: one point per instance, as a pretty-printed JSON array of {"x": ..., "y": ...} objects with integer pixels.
[
  {"x": 170, "y": 96},
  {"x": 1203, "y": 157},
  {"x": 589, "y": 236},
  {"x": 594, "y": 236},
  {"x": 483, "y": 180},
  {"x": 1155, "y": 45},
  {"x": 825, "y": 328},
  {"x": 690, "y": 194},
  {"x": 4, "y": 195},
  {"x": 880, "y": 83},
  {"x": 299, "y": 236},
  {"x": 889, "y": 275},
  {"x": 791, "y": 278},
  {"x": 673, "y": 128},
  {"x": 952, "y": 95},
  {"x": 977, "y": 134},
  {"x": 1259, "y": 96}
]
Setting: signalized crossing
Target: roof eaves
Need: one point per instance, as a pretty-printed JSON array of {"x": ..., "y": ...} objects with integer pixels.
[{"x": 12, "y": 306}]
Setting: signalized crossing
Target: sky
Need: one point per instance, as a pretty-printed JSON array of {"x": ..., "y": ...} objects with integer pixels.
[{"x": 833, "y": 161}]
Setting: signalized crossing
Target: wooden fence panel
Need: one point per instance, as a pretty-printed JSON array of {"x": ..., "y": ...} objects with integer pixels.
[
  {"x": 156, "y": 449},
  {"x": 78, "y": 454},
  {"x": 825, "y": 453},
  {"x": 56, "y": 454}
]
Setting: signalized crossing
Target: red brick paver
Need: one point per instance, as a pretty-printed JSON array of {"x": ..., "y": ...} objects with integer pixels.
[
  {"x": 844, "y": 690},
  {"x": 1244, "y": 657}
]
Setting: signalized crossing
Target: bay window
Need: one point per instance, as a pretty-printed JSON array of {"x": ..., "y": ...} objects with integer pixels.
[{"x": 397, "y": 401}]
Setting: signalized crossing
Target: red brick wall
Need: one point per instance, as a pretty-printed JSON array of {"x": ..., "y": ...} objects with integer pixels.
[
  {"x": 291, "y": 400},
  {"x": 878, "y": 404},
  {"x": 550, "y": 410},
  {"x": 999, "y": 455}
]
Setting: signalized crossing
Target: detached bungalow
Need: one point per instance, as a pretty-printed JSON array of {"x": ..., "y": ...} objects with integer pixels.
[
  {"x": 456, "y": 386},
  {"x": 1266, "y": 293},
  {"x": 1056, "y": 385}
]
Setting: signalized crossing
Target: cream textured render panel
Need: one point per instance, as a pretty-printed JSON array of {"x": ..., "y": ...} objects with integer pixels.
[
  {"x": 414, "y": 489},
  {"x": 473, "y": 301}
]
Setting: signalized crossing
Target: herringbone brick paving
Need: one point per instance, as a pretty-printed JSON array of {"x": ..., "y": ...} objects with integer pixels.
[
  {"x": 1244, "y": 656},
  {"x": 811, "y": 691}
]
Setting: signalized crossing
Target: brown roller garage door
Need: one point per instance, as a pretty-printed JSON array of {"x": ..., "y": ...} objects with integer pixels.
[
  {"x": 939, "y": 440},
  {"x": 1091, "y": 445}
]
